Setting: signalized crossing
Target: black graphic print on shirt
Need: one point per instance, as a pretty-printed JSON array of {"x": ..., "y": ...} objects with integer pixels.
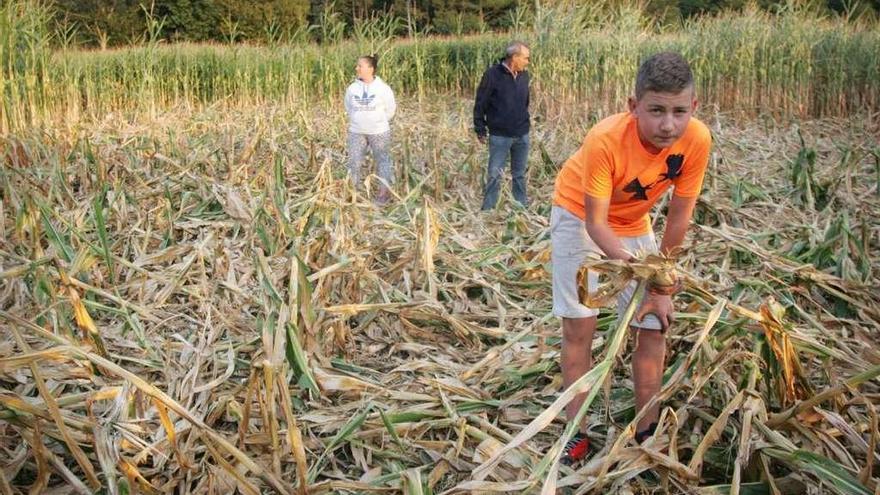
[
  {"x": 674, "y": 165},
  {"x": 639, "y": 191}
]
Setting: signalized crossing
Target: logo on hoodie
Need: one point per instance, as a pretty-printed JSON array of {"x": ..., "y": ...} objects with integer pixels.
[{"x": 365, "y": 100}]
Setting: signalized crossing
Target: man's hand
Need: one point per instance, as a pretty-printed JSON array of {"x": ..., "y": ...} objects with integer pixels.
[
  {"x": 482, "y": 138},
  {"x": 658, "y": 305}
]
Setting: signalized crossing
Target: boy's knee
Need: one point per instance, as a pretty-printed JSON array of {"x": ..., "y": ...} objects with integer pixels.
[
  {"x": 649, "y": 340},
  {"x": 570, "y": 337},
  {"x": 577, "y": 332}
]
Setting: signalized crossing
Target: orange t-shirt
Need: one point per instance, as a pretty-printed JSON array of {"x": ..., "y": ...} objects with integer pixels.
[{"x": 612, "y": 163}]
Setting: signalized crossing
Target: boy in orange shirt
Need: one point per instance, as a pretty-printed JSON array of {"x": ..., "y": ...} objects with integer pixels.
[{"x": 601, "y": 202}]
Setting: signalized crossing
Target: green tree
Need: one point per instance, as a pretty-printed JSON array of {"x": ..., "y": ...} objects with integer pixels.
[
  {"x": 194, "y": 20},
  {"x": 255, "y": 20},
  {"x": 114, "y": 22},
  {"x": 111, "y": 22}
]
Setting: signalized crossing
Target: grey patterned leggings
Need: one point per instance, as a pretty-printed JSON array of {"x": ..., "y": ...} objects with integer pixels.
[{"x": 380, "y": 144}]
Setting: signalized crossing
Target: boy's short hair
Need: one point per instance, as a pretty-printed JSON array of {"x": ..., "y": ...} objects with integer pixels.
[{"x": 665, "y": 72}]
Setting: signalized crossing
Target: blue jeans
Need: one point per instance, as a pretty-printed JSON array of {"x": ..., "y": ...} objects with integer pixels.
[{"x": 499, "y": 149}]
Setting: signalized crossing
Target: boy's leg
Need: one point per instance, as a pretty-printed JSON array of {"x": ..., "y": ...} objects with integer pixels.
[
  {"x": 648, "y": 362},
  {"x": 499, "y": 149},
  {"x": 649, "y": 356},
  {"x": 576, "y": 359},
  {"x": 519, "y": 159},
  {"x": 569, "y": 246}
]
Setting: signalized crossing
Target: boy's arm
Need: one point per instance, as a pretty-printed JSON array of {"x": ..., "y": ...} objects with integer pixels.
[
  {"x": 678, "y": 220},
  {"x": 687, "y": 190},
  {"x": 598, "y": 229},
  {"x": 600, "y": 232}
]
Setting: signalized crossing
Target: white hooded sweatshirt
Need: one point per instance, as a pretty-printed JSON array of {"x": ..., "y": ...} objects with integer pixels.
[{"x": 370, "y": 106}]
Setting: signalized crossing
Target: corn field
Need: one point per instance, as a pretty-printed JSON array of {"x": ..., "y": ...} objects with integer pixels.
[
  {"x": 791, "y": 64},
  {"x": 193, "y": 299}
]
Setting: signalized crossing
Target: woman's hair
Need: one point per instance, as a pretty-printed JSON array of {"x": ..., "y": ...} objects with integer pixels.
[{"x": 373, "y": 60}]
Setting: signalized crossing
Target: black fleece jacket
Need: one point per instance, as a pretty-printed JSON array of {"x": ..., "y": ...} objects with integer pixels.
[{"x": 502, "y": 103}]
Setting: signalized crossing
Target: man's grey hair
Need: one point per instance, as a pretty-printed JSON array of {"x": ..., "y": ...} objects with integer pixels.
[{"x": 513, "y": 48}]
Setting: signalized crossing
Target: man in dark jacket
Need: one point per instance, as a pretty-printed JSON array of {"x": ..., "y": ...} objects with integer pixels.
[{"x": 502, "y": 106}]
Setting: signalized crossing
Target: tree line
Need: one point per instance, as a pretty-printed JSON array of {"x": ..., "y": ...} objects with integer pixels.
[{"x": 119, "y": 22}]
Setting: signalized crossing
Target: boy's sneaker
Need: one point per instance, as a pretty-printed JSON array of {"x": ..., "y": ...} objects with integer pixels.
[
  {"x": 576, "y": 449},
  {"x": 641, "y": 436}
]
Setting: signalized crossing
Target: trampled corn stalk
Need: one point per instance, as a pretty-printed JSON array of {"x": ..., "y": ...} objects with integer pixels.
[
  {"x": 783, "y": 365},
  {"x": 390, "y": 385}
]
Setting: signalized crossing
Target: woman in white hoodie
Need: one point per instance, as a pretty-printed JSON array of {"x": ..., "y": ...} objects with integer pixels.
[{"x": 370, "y": 105}]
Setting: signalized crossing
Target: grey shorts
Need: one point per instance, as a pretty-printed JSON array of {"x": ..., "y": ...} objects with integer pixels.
[{"x": 570, "y": 245}]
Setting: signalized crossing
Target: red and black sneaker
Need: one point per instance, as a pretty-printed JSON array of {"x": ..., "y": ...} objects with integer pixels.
[
  {"x": 641, "y": 436},
  {"x": 576, "y": 449}
]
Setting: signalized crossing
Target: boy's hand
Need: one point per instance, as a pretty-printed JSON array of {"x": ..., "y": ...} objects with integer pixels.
[
  {"x": 665, "y": 290},
  {"x": 482, "y": 138},
  {"x": 658, "y": 305}
]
